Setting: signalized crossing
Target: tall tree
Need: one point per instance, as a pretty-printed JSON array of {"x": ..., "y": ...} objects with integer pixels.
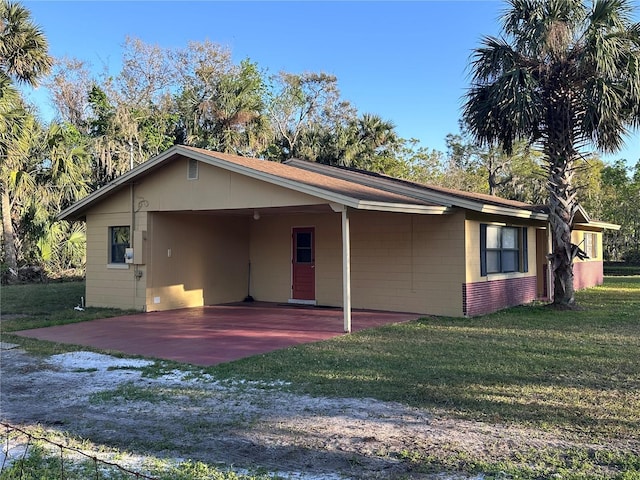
[
  {"x": 300, "y": 103},
  {"x": 62, "y": 178},
  {"x": 23, "y": 58},
  {"x": 367, "y": 142},
  {"x": 517, "y": 175},
  {"x": 620, "y": 199},
  {"x": 12, "y": 168},
  {"x": 222, "y": 109},
  {"x": 462, "y": 169},
  {"x": 23, "y": 47},
  {"x": 143, "y": 98},
  {"x": 112, "y": 153},
  {"x": 564, "y": 76},
  {"x": 376, "y": 142},
  {"x": 69, "y": 85}
]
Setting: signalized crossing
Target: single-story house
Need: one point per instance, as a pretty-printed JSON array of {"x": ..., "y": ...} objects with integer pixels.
[{"x": 193, "y": 227}]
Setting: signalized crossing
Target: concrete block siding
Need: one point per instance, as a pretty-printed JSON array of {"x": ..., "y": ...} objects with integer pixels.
[
  {"x": 480, "y": 298},
  {"x": 587, "y": 274}
]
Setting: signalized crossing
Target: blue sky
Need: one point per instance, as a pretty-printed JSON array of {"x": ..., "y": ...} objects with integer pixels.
[{"x": 405, "y": 61}]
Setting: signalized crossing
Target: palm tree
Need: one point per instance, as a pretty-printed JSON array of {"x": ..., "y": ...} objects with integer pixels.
[
  {"x": 14, "y": 175},
  {"x": 61, "y": 166},
  {"x": 23, "y": 47},
  {"x": 564, "y": 76},
  {"x": 23, "y": 57}
]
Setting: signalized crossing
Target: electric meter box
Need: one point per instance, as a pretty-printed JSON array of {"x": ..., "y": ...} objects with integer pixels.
[{"x": 128, "y": 255}]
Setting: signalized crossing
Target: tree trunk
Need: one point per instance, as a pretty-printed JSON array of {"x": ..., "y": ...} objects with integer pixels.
[
  {"x": 562, "y": 203},
  {"x": 8, "y": 237},
  {"x": 561, "y": 154}
]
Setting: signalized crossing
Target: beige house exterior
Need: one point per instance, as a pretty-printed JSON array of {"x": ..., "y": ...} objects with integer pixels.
[{"x": 193, "y": 227}]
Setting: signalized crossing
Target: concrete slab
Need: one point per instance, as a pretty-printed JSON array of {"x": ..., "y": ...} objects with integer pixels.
[{"x": 213, "y": 334}]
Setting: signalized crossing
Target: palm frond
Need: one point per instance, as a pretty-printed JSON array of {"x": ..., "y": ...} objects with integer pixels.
[
  {"x": 610, "y": 14},
  {"x": 505, "y": 109},
  {"x": 533, "y": 24},
  {"x": 23, "y": 46},
  {"x": 494, "y": 57}
]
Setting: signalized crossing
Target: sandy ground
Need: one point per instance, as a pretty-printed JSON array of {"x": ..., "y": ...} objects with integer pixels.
[{"x": 246, "y": 425}]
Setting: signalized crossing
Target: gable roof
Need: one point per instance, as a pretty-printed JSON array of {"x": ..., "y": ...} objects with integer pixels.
[{"x": 352, "y": 188}]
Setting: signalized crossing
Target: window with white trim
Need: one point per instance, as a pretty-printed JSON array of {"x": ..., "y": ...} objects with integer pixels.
[
  {"x": 119, "y": 241},
  {"x": 503, "y": 249},
  {"x": 591, "y": 245}
]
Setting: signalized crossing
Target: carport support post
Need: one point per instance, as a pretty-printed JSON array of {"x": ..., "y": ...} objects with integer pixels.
[{"x": 346, "y": 270}]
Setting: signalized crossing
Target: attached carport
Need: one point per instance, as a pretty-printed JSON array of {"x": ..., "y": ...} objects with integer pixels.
[
  {"x": 198, "y": 219},
  {"x": 213, "y": 334}
]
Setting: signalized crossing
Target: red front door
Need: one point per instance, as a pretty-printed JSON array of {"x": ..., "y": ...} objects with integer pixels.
[{"x": 304, "y": 267}]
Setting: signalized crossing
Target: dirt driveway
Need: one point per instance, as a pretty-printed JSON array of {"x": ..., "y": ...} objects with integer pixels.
[{"x": 245, "y": 424}]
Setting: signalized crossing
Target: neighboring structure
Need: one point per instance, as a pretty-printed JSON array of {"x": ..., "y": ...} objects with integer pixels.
[{"x": 193, "y": 227}]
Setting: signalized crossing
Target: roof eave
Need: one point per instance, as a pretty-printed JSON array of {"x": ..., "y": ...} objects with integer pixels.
[
  {"x": 512, "y": 212},
  {"x": 600, "y": 225},
  {"x": 76, "y": 211},
  {"x": 404, "y": 208}
]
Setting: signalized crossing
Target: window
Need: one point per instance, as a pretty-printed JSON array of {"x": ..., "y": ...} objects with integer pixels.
[
  {"x": 119, "y": 241},
  {"x": 192, "y": 169},
  {"x": 591, "y": 245},
  {"x": 304, "y": 247},
  {"x": 503, "y": 249}
]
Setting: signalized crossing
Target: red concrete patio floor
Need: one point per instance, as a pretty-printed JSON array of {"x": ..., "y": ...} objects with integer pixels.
[{"x": 213, "y": 334}]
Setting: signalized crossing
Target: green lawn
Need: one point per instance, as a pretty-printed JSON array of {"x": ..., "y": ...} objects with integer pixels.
[
  {"x": 576, "y": 373},
  {"x": 46, "y": 304}
]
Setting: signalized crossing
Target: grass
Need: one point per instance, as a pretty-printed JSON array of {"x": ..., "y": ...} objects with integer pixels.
[
  {"x": 27, "y": 306},
  {"x": 42, "y": 464},
  {"x": 575, "y": 372},
  {"x": 42, "y": 305}
]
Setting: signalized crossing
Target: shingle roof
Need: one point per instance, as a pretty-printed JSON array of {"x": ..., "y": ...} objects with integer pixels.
[
  {"x": 392, "y": 183},
  {"x": 313, "y": 179},
  {"x": 352, "y": 188}
]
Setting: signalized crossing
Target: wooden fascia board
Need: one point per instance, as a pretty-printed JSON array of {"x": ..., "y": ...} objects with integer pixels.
[
  {"x": 583, "y": 213},
  {"x": 482, "y": 207},
  {"x": 513, "y": 212},
  {"x": 90, "y": 199},
  {"x": 599, "y": 225},
  {"x": 404, "y": 208},
  {"x": 68, "y": 213}
]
